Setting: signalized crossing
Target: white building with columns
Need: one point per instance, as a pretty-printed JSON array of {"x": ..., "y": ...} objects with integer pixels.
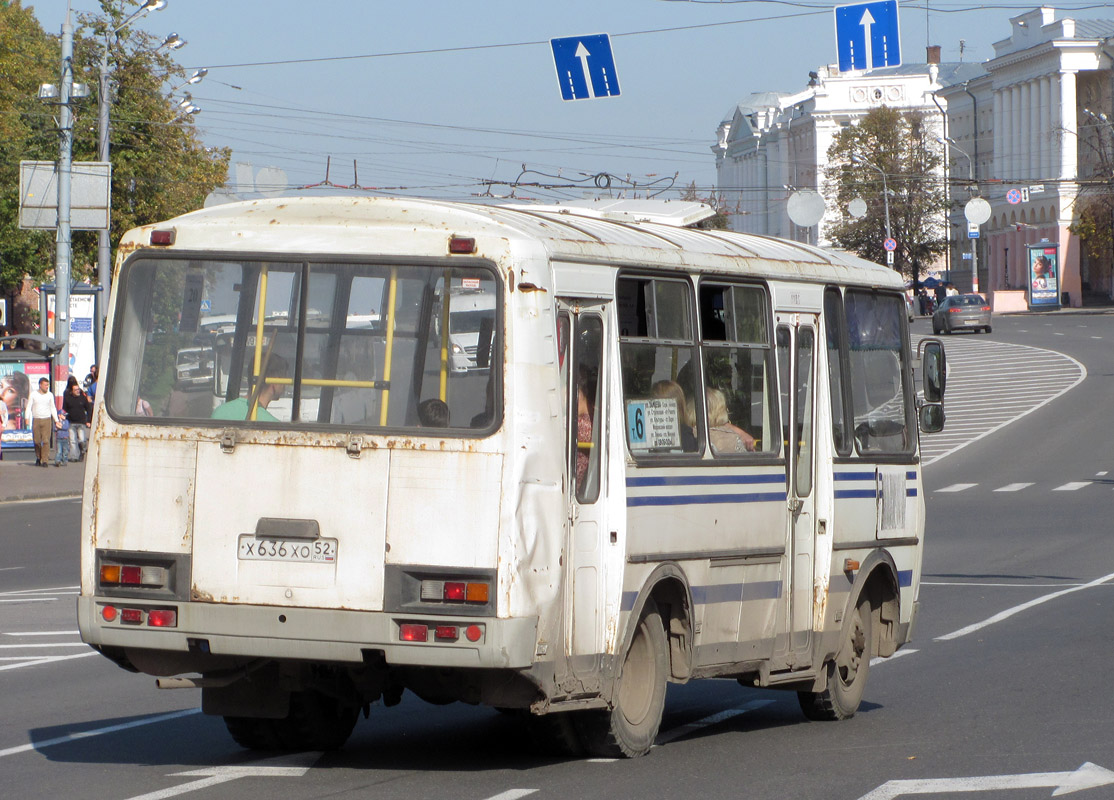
[
  {"x": 1033, "y": 122},
  {"x": 771, "y": 143}
]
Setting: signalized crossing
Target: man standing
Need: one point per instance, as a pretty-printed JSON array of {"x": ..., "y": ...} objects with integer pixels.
[{"x": 43, "y": 413}]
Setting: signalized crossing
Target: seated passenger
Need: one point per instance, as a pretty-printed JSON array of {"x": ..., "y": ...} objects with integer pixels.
[
  {"x": 724, "y": 437},
  {"x": 265, "y": 392},
  {"x": 433, "y": 413},
  {"x": 672, "y": 390}
]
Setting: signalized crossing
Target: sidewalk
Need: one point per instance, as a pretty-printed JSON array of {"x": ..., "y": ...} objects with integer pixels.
[{"x": 20, "y": 479}]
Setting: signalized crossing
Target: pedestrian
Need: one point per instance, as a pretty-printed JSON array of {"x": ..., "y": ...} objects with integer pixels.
[
  {"x": 42, "y": 411},
  {"x": 62, "y": 456},
  {"x": 79, "y": 411},
  {"x": 3, "y": 425}
]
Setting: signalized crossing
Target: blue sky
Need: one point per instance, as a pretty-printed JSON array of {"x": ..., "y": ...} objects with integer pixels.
[{"x": 441, "y": 120}]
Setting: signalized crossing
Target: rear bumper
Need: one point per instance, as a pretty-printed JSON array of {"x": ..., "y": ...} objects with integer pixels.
[{"x": 313, "y": 634}]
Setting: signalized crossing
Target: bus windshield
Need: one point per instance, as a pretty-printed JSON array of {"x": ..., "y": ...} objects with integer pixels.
[{"x": 295, "y": 343}]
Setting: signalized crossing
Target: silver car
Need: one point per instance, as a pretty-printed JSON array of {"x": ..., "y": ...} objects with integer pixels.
[{"x": 961, "y": 312}]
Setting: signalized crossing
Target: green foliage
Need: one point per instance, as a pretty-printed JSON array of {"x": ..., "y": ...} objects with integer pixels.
[
  {"x": 160, "y": 167},
  {"x": 719, "y": 221},
  {"x": 902, "y": 145}
]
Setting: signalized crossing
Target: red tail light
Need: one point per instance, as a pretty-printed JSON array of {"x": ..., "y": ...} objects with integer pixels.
[
  {"x": 954, "y": 310},
  {"x": 446, "y": 632},
  {"x": 131, "y": 616},
  {"x": 411, "y": 632},
  {"x": 985, "y": 308},
  {"x": 162, "y": 618},
  {"x": 454, "y": 591}
]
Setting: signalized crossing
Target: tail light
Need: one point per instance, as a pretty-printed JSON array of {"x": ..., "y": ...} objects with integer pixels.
[
  {"x": 455, "y": 591},
  {"x": 136, "y": 575}
]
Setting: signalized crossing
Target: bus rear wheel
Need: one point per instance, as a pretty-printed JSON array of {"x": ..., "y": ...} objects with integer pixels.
[
  {"x": 631, "y": 725},
  {"x": 847, "y": 674},
  {"x": 315, "y": 722}
]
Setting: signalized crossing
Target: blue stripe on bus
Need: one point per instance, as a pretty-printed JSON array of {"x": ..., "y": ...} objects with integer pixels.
[
  {"x": 846, "y": 494},
  {"x": 854, "y": 476},
  {"x": 911, "y": 491},
  {"x": 703, "y": 499},
  {"x": 721, "y": 593},
  {"x": 704, "y": 480},
  {"x": 905, "y": 577},
  {"x": 910, "y": 476}
]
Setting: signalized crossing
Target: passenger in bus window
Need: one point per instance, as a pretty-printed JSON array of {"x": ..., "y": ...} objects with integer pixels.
[
  {"x": 725, "y": 438},
  {"x": 240, "y": 408},
  {"x": 672, "y": 390},
  {"x": 585, "y": 395},
  {"x": 433, "y": 413}
]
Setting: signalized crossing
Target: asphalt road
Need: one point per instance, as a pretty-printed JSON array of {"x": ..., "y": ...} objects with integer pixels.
[{"x": 1008, "y": 675}]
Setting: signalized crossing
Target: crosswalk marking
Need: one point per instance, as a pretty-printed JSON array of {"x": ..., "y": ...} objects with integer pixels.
[
  {"x": 1014, "y": 487},
  {"x": 990, "y": 385},
  {"x": 1073, "y": 486},
  {"x": 957, "y": 487}
]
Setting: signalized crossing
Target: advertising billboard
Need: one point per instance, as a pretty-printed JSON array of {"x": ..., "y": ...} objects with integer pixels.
[{"x": 1044, "y": 275}]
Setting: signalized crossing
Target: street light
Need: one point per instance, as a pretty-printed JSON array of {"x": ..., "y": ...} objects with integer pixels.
[
  {"x": 885, "y": 188},
  {"x": 974, "y": 189},
  {"x": 104, "y": 248}
]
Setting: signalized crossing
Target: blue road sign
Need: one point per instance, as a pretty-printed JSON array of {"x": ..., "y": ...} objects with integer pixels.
[
  {"x": 585, "y": 67},
  {"x": 867, "y": 35}
]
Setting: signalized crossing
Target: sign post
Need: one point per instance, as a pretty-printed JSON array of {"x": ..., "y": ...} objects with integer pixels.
[{"x": 977, "y": 212}]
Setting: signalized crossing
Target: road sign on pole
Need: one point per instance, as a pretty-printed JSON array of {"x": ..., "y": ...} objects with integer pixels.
[
  {"x": 890, "y": 244},
  {"x": 868, "y": 36},
  {"x": 585, "y": 67},
  {"x": 1013, "y": 197}
]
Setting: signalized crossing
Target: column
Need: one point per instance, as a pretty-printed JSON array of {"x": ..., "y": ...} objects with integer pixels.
[
  {"x": 1028, "y": 123},
  {"x": 1068, "y": 141},
  {"x": 1017, "y": 122},
  {"x": 997, "y": 127},
  {"x": 1047, "y": 130}
]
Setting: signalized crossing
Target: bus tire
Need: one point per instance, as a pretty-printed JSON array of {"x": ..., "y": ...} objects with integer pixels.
[
  {"x": 847, "y": 674},
  {"x": 631, "y": 725},
  {"x": 554, "y": 734},
  {"x": 253, "y": 733}
]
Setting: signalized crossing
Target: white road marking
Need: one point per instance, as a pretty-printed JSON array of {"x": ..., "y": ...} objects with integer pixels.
[
  {"x": 957, "y": 487},
  {"x": 290, "y": 766},
  {"x": 684, "y": 730},
  {"x": 1073, "y": 486},
  {"x": 47, "y": 660},
  {"x": 1088, "y": 776},
  {"x": 123, "y": 726},
  {"x": 9, "y": 569},
  {"x": 31, "y": 600},
  {"x": 50, "y": 590},
  {"x": 27, "y": 646},
  {"x": 44, "y": 633},
  {"x": 69, "y": 497},
  {"x": 880, "y": 660},
  {"x": 1003, "y": 585},
  {"x": 1101, "y": 474},
  {"x": 513, "y": 794},
  {"x": 1009, "y": 612},
  {"x": 1014, "y": 487}
]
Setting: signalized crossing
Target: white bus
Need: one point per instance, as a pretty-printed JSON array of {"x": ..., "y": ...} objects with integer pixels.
[{"x": 676, "y": 454}]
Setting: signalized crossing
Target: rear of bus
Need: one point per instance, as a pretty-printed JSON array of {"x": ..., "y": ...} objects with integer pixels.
[{"x": 310, "y": 518}]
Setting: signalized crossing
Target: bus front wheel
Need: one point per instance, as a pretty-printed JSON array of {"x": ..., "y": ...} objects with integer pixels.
[
  {"x": 631, "y": 725},
  {"x": 847, "y": 674}
]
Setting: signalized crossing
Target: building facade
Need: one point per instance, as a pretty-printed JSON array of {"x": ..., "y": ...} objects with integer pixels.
[
  {"x": 772, "y": 143},
  {"x": 1036, "y": 126}
]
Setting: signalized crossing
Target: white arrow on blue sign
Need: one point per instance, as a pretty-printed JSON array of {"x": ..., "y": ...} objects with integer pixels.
[
  {"x": 585, "y": 67},
  {"x": 868, "y": 36}
]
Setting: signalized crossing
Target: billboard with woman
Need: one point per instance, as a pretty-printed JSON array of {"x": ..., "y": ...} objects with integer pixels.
[{"x": 1044, "y": 271}]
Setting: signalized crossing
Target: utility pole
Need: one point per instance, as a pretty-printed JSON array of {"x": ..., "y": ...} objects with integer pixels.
[{"x": 64, "y": 256}]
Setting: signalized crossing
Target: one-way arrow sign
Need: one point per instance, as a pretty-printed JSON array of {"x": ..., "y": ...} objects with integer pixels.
[
  {"x": 1088, "y": 776},
  {"x": 868, "y": 36},
  {"x": 585, "y": 67}
]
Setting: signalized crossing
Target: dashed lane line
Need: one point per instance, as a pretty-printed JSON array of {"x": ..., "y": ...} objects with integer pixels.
[{"x": 1013, "y": 487}]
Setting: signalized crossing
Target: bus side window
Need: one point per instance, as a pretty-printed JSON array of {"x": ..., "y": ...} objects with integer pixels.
[
  {"x": 877, "y": 360},
  {"x": 658, "y": 352},
  {"x": 836, "y": 336},
  {"x": 739, "y": 387},
  {"x": 586, "y": 397}
]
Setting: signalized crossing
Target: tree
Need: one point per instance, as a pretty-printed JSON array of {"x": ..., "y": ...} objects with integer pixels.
[
  {"x": 901, "y": 145},
  {"x": 160, "y": 167},
  {"x": 719, "y": 220}
]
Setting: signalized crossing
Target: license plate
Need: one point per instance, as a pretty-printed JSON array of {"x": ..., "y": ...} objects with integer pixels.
[
  {"x": 970, "y": 322},
  {"x": 298, "y": 551}
]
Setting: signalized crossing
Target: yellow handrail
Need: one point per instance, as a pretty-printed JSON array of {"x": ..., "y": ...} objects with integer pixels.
[
  {"x": 445, "y": 336},
  {"x": 391, "y": 294},
  {"x": 258, "y": 365}
]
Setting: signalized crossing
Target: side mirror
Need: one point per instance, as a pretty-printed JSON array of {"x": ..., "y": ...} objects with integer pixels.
[
  {"x": 931, "y": 417},
  {"x": 934, "y": 370}
]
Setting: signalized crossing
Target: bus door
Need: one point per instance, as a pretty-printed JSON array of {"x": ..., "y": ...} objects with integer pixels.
[
  {"x": 581, "y": 327},
  {"x": 796, "y": 354}
]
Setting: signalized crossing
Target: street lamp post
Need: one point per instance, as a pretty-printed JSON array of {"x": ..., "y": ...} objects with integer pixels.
[
  {"x": 885, "y": 189},
  {"x": 104, "y": 247},
  {"x": 974, "y": 190}
]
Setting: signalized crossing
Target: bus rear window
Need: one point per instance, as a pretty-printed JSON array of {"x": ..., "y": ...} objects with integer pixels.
[{"x": 305, "y": 344}]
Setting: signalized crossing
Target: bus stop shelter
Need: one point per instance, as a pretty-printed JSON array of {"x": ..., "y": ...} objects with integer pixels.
[{"x": 24, "y": 358}]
